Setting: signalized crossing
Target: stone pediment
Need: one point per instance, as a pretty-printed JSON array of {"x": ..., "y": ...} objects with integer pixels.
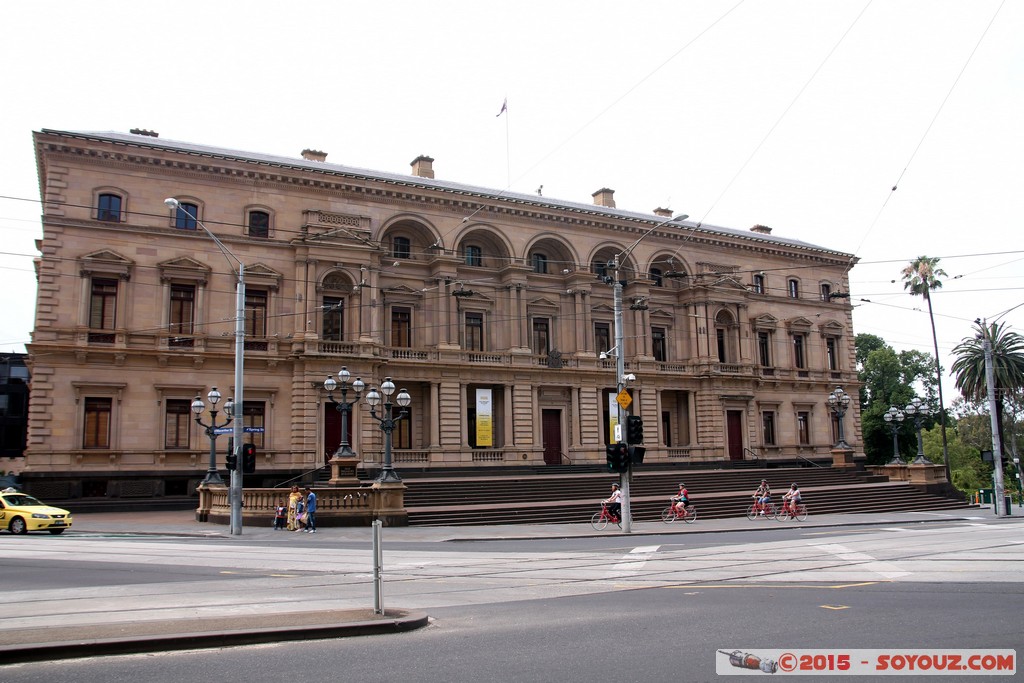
[
  {"x": 106, "y": 261},
  {"x": 602, "y": 308},
  {"x": 662, "y": 314},
  {"x": 765, "y": 321},
  {"x": 799, "y": 323},
  {"x": 263, "y": 276},
  {"x": 184, "y": 268},
  {"x": 403, "y": 289},
  {"x": 831, "y": 328},
  {"x": 543, "y": 302}
]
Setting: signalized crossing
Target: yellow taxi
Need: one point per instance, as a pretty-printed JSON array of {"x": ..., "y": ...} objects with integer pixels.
[{"x": 20, "y": 513}]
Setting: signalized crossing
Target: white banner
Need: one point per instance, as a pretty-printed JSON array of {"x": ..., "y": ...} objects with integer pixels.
[
  {"x": 613, "y": 419},
  {"x": 891, "y": 662}
]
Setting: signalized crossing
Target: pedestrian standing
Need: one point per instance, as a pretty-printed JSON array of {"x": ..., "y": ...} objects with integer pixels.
[
  {"x": 293, "y": 499},
  {"x": 310, "y": 511}
]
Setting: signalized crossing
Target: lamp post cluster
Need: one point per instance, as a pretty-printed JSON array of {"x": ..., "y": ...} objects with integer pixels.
[
  {"x": 917, "y": 410},
  {"x": 894, "y": 418},
  {"x": 838, "y": 403},
  {"x": 198, "y": 407},
  {"x": 344, "y": 406},
  {"x": 388, "y": 421}
]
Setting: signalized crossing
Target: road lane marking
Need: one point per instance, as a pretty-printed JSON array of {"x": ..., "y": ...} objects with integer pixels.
[
  {"x": 835, "y": 607},
  {"x": 633, "y": 562},
  {"x": 887, "y": 570}
]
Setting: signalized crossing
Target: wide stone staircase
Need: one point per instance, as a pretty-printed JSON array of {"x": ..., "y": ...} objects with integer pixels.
[{"x": 566, "y": 497}]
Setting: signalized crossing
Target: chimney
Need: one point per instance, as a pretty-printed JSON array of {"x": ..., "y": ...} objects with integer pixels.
[
  {"x": 604, "y": 197},
  {"x": 314, "y": 155},
  {"x": 664, "y": 213},
  {"x": 423, "y": 166},
  {"x": 762, "y": 229}
]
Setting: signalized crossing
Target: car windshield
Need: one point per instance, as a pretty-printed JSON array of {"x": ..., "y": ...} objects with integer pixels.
[{"x": 20, "y": 500}]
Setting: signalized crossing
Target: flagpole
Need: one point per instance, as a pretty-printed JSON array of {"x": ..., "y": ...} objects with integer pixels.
[{"x": 508, "y": 164}]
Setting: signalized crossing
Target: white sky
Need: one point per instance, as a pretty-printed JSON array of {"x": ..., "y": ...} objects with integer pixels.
[{"x": 796, "y": 114}]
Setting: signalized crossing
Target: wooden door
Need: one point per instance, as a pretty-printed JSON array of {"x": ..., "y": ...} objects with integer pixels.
[
  {"x": 551, "y": 435},
  {"x": 734, "y": 431}
]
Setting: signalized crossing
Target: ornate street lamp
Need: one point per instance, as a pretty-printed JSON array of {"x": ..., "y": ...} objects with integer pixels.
[
  {"x": 838, "y": 402},
  {"x": 894, "y": 418},
  {"x": 212, "y": 475},
  {"x": 388, "y": 421},
  {"x": 344, "y": 406},
  {"x": 917, "y": 410}
]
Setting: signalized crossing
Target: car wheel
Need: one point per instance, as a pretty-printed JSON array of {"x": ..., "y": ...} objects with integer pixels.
[
  {"x": 56, "y": 532},
  {"x": 18, "y": 526}
]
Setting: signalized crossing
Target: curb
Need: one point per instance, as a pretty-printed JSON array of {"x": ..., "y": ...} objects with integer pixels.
[{"x": 399, "y": 622}]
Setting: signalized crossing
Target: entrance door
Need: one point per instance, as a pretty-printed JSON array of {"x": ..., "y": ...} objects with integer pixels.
[
  {"x": 734, "y": 430},
  {"x": 332, "y": 431},
  {"x": 551, "y": 435}
]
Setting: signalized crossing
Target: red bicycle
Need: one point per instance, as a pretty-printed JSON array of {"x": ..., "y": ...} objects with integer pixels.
[
  {"x": 601, "y": 519},
  {"x": 790, "y": 511},
  {"x": 688, "y": 514},
  {"x": 758, "y": 509}
]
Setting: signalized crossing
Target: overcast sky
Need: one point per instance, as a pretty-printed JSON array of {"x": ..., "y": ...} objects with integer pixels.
[{"x": 801, "y": 115}]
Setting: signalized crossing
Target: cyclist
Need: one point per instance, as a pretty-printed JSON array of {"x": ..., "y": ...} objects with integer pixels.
[
  {"x": 793, "y": 498},
  {"x": 614, "y": 502},
  {"x": 762, "y": 496},
  {"x": 681, "y": 499}
]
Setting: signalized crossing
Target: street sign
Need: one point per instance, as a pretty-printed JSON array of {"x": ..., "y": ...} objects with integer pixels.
[
  {"x": 231, "y": 430},
  {"x": 624, "y": 399},
  {"x": 253, "y": 430},
  {"x": 223, "y": 430}
]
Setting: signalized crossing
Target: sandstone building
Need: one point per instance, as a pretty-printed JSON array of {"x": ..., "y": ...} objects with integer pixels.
[{"x": 470, "y": 298}]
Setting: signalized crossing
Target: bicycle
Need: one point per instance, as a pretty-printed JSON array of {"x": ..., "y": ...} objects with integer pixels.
[
  {"x": 788, "y": 511},
  {"x": 753, "y": 512},
  {"x": 600, "y": 519},
  {"x": 672, "y": 513}
]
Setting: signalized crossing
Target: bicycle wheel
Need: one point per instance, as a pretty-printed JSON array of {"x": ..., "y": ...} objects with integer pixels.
[
  {"x": 782, "y": 514},
  {"x": 691, "y": 514},
  {"x": 598, "y": 521},
  {"x": 801, "y": 512},
  {"x": 668, "y": 515},
  {"x": 751, "y": 512},
  {"x": 770, "y": 511}
]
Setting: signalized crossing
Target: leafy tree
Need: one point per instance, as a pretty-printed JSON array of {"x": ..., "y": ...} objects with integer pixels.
[
  {"x": 921, "y": 277},
  {"x": 970, "y": 473}
]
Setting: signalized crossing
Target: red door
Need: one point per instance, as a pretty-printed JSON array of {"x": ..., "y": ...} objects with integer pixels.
[
  {"x": 734, "y": 430},
  {"x": 551, "y": 434},
  {"x": 332, "y": 431}
]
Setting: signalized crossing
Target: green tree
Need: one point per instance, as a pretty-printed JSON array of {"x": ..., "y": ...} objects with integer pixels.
[
  {"x": 970, "y": 473},
  {"x": 1007, "y": 369},
  {"x": 921, "y": 277}
]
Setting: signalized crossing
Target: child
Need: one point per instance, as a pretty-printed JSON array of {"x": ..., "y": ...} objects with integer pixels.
[
  {"x": 300, "y": 515},
  {"x": 280, "y": 515}
]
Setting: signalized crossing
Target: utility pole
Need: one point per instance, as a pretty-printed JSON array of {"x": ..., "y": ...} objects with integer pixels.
[{"x": 997, "y": 445}]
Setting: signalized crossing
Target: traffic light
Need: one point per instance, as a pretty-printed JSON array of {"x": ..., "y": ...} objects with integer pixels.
[
  {"x": 232, "y": 462},
  {"x": 634, "y": 429},
  {"x": 617, "y": 456},
  {"x": 248, "y": 458},
  {"x": 636, "y": 454}
]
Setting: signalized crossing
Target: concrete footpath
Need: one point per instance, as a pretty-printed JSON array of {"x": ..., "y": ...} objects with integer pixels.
[{"x": 91, "y": 631}]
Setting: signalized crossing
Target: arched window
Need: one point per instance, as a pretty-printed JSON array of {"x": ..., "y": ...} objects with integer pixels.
[
  {"x": 540, "y": 263},
  {"x": 794, "y": 289},
  {"x": 473, "y": 255},
  {"x": 759, "y": 283},
  {"x": 109, "y": 208},
  {"x": 656, "y": 277},
  {"x": 259, "y": 224},
  {"x": 401, "y": 247},
  {"x": 186, "y": 216}
]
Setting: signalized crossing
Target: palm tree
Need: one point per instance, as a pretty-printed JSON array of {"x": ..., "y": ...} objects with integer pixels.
[
  {"x": 921, "y": 277},
  {"x": 1007, "y": 366}
]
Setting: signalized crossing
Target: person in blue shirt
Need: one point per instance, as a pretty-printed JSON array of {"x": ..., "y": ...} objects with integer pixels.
[{"x": 310, "y": 511}]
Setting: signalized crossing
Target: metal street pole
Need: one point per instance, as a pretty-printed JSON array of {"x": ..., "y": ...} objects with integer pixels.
[
  {"x": 997, "y": 443},
  {"x": 235, "y": 486},
  {"x": 620, "y": 364}
]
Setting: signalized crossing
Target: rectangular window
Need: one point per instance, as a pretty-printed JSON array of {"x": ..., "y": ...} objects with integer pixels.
[
  {"x": 830, "y": 353},
  {"x": 255, "y": 313},
  {"x": 401, "y": 327},
  {"x": 254, "y": 415},
  {"x": 97, "y": 422},
  {"x": 541, "y": 336},
  {"x": 759, "y": 284},
  {"x": 768, "y": 427},
  {"x": 666, "y": 429},
  {"x": 103, "y": 304},
  {"x": 474, "y": 332},
  {"x": 474, "y": 256},
  {"x": 109, "y": 208},
  {"x": 659, "y": 344},
  {"x": 798, "y": 351},
  {"x": 764, "y": 347},
  {"x": 259, "y": 224},
  {"x": 540, "y": 263},
  {"x": 402, "y": 436},
  {"x": 182, "y": 314},
  {"x": 794, "y": 289},
  {"x": 334, "y": 318},
  {"x": 826, "y": 292},
  {"x": 602, "y": 337},
  {"x": 177, "y": 423},
  {"x": 401, "y": 247},
  {"x": 186, "y": 216},
  {"x": 803, "y": 428},
  {"x": 720, "y": 338}
]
